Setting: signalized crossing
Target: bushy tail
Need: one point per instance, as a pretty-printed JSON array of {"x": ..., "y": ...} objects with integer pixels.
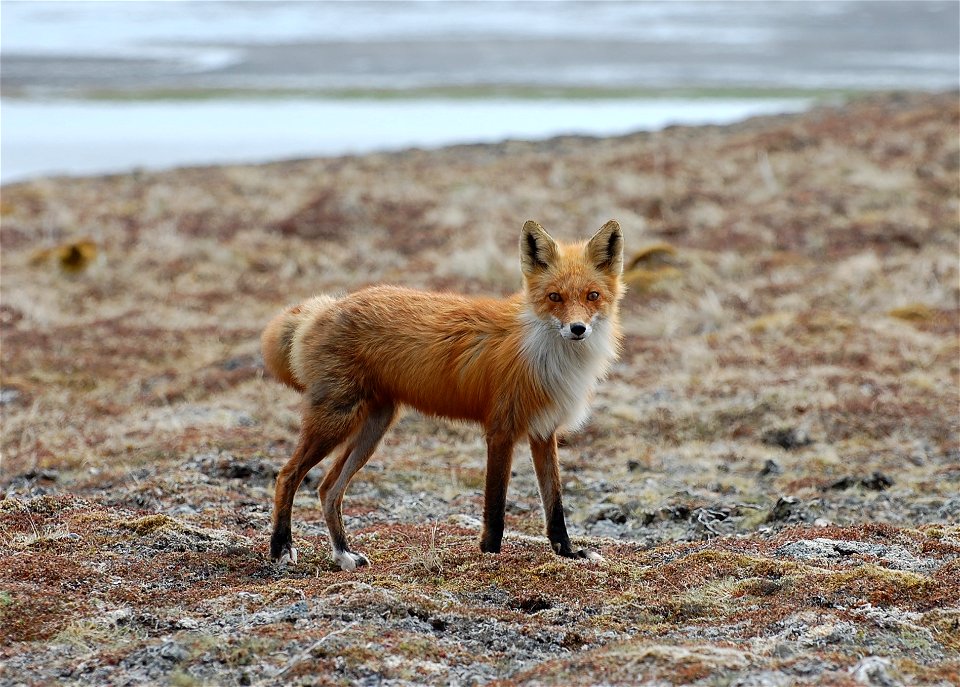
[{"x": 278, "y": 339}]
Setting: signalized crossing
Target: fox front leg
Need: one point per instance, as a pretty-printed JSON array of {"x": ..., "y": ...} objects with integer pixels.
[
  {"x": 499, "y": 461},
  {"x": 547, "y": 467}
]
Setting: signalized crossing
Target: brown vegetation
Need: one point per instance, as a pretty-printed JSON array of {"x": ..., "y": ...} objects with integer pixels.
[{"x": 772, "y": 470}]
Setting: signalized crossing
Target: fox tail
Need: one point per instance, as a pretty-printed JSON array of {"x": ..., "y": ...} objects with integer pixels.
[{"x": 279, "y": 340}]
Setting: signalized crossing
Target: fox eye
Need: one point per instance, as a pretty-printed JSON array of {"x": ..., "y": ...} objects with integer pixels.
[
  {"x": 555, "y": 297},
  {"x": 593, "y": 295}
]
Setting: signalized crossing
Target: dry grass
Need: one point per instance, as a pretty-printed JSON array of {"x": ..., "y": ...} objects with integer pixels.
[{"x": 771, "y": 471}]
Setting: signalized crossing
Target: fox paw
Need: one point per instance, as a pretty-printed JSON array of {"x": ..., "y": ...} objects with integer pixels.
[
  {"x": 349, "y": 561},
  {"x": 582, "y": 554},
  {"x": 288, "y": 556}
]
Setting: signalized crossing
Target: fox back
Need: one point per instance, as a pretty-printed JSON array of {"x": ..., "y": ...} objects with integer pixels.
[{"x": 539, "y": 353}]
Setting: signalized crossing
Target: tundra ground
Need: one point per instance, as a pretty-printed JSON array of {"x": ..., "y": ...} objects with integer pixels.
[{"x": 771, "y": 472}]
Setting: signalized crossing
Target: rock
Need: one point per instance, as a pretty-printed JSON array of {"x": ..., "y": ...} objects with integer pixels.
[
  {"x": 606, "y": 529},
  {"x": 9, "y": 395},
  {"x": 187, "y": 623},
  {"x": 950, "y": 510},
  {"x": 173, "y": 652},
  {"x": 787, "y": 438},
  {"x": 828, "y": 633},
  {"x": 843, "y": 483},
  {"x": 42, "y": 475},
  {"x": 877, "y": 481},
  {"x": 789, "y": 509},
  {"x": 874, "y": 671},
  {"x": 675, "y": 513},
  {"x": 766, "y": 678},
  {"x": 253, "y": 362},
  {"x": 784, "y": 650},
  {"x": 894, "y": 556},
  {"x": 771, "y": 467},
  {"x": 289, "y": 614},
  {"x": 466, "y": 521},
  {"x": 119, "y": 616},
  {"x": 606, "y": 511},
  {"x": 215, "y": 464}
]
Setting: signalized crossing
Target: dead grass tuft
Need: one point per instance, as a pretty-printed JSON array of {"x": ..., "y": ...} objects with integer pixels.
[{"x": 151, "y": 523}]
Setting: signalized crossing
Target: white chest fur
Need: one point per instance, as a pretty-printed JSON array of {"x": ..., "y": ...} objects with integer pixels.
[{"x": 567, "y": 370}]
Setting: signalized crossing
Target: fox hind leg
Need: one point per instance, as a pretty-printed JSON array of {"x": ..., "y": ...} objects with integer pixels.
[
  {"x": 310, "y": 451},
  {"x": 324, "y": 427},
  {"x": 335, "y": 482}
]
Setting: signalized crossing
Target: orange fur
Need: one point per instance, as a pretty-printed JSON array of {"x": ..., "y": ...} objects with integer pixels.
[{"x": 515, "y": 365}]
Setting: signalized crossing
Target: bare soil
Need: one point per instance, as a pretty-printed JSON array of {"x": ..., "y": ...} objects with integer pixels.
[{"x": 772, "y": 469}]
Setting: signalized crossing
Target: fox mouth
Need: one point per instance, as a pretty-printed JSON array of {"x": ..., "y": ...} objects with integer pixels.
[
  {"x": 573, "y": 331},
  {"x": 570, "y": 336}
]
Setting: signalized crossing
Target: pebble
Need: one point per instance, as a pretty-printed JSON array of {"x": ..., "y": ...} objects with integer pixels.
[
  {"x": 771, "y": 467},
  {"x": 874, "y": 671}
]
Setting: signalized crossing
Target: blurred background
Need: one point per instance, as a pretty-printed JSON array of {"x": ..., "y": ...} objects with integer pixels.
[{"x": 90, "y": 87}]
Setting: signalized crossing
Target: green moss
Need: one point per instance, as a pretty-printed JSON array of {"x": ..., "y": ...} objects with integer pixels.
[
  {"x": 471, "y": 479},
  {"x": 761, "y": 587},
  {"x": 880, "y": 586},
  {"x": 150, "y": 523},
  {"x": 701, "y": 566},
  {"x": 35, "y": 617},
  {"x": 40, "y": 505},
  {"x": 181, "y": 678},
  {"x": 247, "y": 652},
  {"x": 945, "y": 625},
  {"x": 716, "y": 597},
  {"x": 91, "y": 634}
]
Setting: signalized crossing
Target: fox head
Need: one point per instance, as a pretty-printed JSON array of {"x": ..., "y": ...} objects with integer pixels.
[{"x": 572, "y": 286}]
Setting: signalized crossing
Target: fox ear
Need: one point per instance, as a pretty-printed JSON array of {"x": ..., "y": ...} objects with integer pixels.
[
  {"x": 605, "y": 249},
  {"x": 537, "y": 249}
]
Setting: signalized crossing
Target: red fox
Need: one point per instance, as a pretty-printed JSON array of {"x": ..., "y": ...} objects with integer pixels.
[{"x": 526, "y": 365}]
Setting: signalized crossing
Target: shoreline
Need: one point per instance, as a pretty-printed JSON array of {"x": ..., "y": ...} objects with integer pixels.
[
  {"x": 55, "y": 138},
  {"x": 478, "y": 92}
]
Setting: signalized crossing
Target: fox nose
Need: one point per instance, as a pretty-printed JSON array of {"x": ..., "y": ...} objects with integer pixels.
[{"x": 577, "y": 329}]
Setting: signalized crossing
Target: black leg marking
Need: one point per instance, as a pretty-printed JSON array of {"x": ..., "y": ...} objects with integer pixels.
[
  {"x": 499, "y": 462},
  {"x": 547, "y": 467},
  {"x": 557, "y": 528},
  {"x": 281, "y": 542}
]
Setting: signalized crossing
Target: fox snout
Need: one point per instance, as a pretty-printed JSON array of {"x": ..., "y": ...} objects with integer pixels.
[{"x": 576, "y": 331}]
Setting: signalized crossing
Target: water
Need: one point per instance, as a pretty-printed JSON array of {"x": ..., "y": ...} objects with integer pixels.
[
  {"x": 51, "y": 47},
  {"x": 91, "y": 87},
  {"x": 90, "y": 137}
]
